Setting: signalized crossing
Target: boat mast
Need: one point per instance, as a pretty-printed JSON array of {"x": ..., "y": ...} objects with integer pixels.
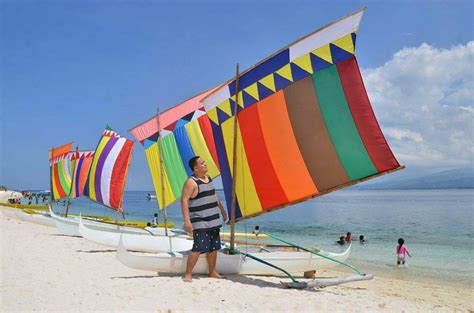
[
  {"x": 234, "y": 163},
  {"x": 72, "y": 184},
  {"x": 162, "y": 176},
  {"x": 51, "y": 191}
]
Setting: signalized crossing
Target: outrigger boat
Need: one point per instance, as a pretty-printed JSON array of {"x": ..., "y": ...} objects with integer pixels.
[
  {"x": 182, "y": 129},
  {"x": 148, "y": 240},
  {"x": 292, "y": 260},
  {"x": 105, "y": 185},
  {"x": 295, "y": 126}
]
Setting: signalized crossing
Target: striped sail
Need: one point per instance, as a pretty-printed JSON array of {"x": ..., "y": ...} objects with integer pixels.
[
  {"x": 81, "y": 163},
  {"x": 60, "y": 171},
  {"x": 305, "y": 124},
  {"x": 185, "y": 132},
  {"x": 108, "y": 171}
]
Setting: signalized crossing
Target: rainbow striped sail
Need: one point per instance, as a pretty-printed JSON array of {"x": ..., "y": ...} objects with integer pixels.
[
  {"x": 185, "y": 132},
  {"x": 108, "y": 172},
  {"x": 60, "y": 170},
  {"x": 81, "y": 163},
  {"x": 305, "y": 124}
]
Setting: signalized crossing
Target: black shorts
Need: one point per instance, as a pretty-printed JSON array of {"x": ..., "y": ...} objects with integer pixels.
[{"x": 206, "y": 240}]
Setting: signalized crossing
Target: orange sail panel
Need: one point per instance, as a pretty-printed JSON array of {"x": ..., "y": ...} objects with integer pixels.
[
  {"x": 281, "y": 144},
  {"x": 82, "y": 164}
]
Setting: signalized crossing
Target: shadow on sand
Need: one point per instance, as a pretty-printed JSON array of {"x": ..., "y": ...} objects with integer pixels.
[{"x": 96, "y": 251}]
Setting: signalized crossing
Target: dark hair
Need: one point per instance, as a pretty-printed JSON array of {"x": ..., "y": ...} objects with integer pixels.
[
  {"x": 400, "y": 244},
  {"x": 193, "y": 161}
]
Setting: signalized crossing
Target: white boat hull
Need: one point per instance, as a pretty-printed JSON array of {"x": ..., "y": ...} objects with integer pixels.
[
  {"x": 40, "y": 218},
  {"x": 136, "y": 242},
  {"x": 175, "y": 262},
  {"x": 69, "y": 226},
  {"x": 19, "y": 214}
]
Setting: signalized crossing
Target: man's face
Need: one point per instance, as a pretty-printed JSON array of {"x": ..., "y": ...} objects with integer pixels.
[{"x": 201, "y": 166}]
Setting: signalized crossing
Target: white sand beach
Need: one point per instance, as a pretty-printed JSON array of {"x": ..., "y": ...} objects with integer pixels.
[{"x": 43, "y": 271}]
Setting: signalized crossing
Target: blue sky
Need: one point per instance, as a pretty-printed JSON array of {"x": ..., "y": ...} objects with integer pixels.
[{"x": 68, "y": 68}]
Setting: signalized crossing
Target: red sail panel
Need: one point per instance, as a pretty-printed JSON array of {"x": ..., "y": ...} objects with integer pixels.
[
  {"x": 364, "y": 117},
  {"x": 119, "y": 175},
  {"x": 206, "y": 130},
  {"x": 269, "y": 189}
]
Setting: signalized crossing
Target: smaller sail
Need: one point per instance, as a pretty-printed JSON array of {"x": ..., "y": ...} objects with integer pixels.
[
  {"x": 81, "y": 163},
  {"x": 108, "y": 173},
  {"x": 60, "y": 170},
  {"x": 185, "y": 132}
]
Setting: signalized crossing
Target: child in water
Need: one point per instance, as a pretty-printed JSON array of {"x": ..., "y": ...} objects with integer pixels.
[
  {"x": 341, "y": 241},
  {"x": 402, "y": 250}
]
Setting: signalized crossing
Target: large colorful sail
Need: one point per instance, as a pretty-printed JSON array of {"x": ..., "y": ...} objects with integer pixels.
[
  {"x": 305, "y": 124},
  {"x": 108, "y": 171},
  {"x": 60, "y": 171},
  {"x": 185, "y": 132},
  {"x": 81, "y": 163}
]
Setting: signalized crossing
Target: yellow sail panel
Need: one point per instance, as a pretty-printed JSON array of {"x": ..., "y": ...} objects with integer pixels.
[
  {"x": 199, "y": 146},
  {"x": 245, "y": 189},
  {"x": 98, "y": 151},
  {"x": 54, "y": 188},
  {"x": 153, "y": 157}
]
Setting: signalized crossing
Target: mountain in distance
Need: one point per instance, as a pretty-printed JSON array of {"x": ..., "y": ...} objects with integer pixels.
[{"x": 460, "y": 178}]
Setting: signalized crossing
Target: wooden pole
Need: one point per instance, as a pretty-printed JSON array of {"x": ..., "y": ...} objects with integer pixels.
[
  {"x": 72, "y": 184},
  {"x": 162, "y": 176},
  {"x": 234, "y": 164},
  {"x": 51, "y": 192}
]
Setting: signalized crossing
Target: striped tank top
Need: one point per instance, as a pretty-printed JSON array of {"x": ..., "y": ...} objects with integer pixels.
[{"x": 203, "y": 209}]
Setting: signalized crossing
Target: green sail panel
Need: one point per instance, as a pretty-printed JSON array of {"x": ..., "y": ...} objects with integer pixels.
[
  {"x": 340, "y": 124},
  {"x": 62, "y": 176},
  {"x": 173, "y": 168}
]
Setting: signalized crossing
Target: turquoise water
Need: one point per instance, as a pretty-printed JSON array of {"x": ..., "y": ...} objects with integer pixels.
[{"x": 437, "y": 226}]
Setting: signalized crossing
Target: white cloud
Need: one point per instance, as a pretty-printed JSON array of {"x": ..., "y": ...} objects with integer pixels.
[
  {"x": 423, "y": 99},
  {"x": 403, "y": 134}
]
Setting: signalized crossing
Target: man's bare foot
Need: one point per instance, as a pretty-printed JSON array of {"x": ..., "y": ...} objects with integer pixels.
[
  {"x": 215, "y": 275},
  {"x": 187, "y": 278}
]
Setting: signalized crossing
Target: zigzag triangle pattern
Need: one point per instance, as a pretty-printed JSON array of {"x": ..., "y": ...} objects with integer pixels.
[
  {"x": 298, "y": 72},
  {"x": 319, "y": 59}
]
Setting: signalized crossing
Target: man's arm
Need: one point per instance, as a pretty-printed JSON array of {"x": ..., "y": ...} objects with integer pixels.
[
  {"x": 221, "y": 207},
  {"x": 186, "y": 194}
]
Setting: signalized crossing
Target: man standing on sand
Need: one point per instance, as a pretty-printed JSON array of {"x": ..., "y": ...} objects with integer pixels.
[{"x": 200, "y": 206}]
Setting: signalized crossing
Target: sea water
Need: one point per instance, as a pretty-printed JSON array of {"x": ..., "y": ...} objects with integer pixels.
[{"x": 437, "y": 226}]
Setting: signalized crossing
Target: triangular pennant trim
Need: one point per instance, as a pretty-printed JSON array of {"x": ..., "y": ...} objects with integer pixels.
[
  {"x": 225, "y": 107},
  {"x": 324, "y": 53},
  {"x": 345, "y": 43},
  {"x": 252, "y": 90},
  {"x": 304, "y": 62},
  {"x": 285, "y": 72},
  {"x": 263, "y": 91},
  {"x": 269, "y": 82},
  {"x": 213, "y": 116}
]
